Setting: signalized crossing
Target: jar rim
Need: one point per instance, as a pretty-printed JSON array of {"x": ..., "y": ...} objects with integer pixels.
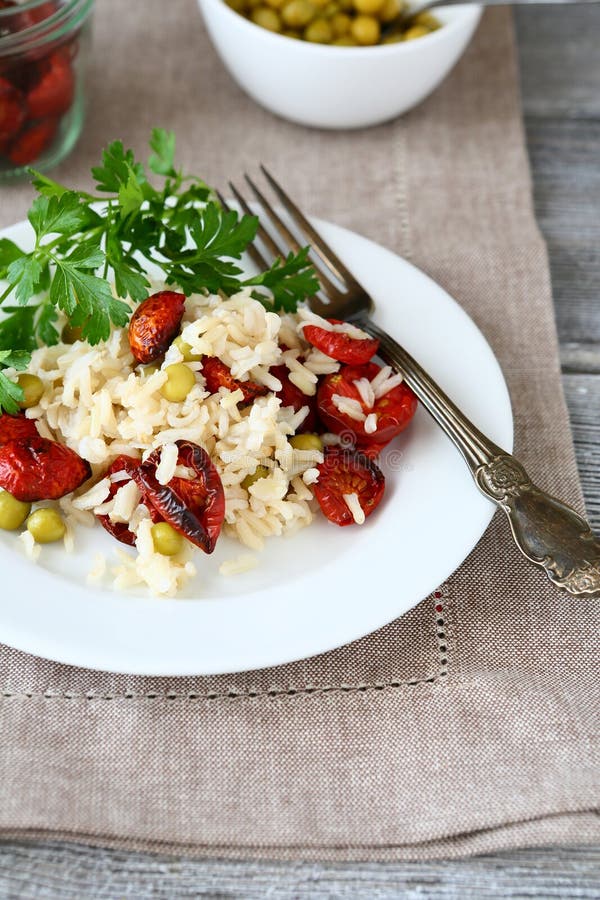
[{"x": 68, "y": 16}]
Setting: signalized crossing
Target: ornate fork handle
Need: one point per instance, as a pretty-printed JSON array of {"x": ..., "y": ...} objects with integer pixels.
[{"x": 546, "y": 531}]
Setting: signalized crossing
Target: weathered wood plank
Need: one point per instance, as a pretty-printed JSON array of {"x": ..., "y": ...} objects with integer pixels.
[
  {"x": 582, "y": 393},
  {"x": 565, "y": 159},
  {"x": 560, "y": 60},
  {"x": 581, "y": 358},
  {"x": 56, "y": 872}
]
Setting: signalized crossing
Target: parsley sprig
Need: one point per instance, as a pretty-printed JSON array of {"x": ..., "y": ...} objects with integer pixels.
[{"x": 85, "y": 242}]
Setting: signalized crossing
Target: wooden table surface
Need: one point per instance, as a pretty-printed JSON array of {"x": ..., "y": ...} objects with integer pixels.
[{"x": 560, "y": 63}]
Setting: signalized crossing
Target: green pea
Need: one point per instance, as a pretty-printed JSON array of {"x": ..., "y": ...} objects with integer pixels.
[
  {"x": 166, "y": 540},
  {"x": 259, "y": 472},
  {"x": 416, "y": 31},
  {"x": 71, "y": 333},
  {"x": 366, "y": 30},
  {"x": 306, "y": 442},
  {"x": 318, "y": 32},
  {"x": 186, "y": 351},
  {"x": 12, "y": 512},
  {"x": 180, "y": 381},
  {"x": 33, "y": 390},
  {"x": 427, "y": 20},
  {"x": 340, "y": 24},
  {"x": 267, "y": 18},
  {"x": 390, "y": 10},
  {"x": 298, "y": 13},
  {"x": 46, "y": 526}
]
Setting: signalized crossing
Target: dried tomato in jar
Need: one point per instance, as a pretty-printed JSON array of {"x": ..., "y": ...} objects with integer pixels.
[{"x": 42, "y": 51}]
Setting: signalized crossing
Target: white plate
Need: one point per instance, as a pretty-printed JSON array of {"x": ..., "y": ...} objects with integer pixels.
[{"x": 323, "y": 587}]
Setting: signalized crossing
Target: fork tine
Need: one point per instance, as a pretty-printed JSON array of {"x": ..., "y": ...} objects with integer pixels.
[
  {"x": 287, "y": 234},
  {"x": 325, "y": 252},
  {"x": 262, "y": 231},
  {"x": 328, "y": 287},
  {"x": 252, "y": 250}
]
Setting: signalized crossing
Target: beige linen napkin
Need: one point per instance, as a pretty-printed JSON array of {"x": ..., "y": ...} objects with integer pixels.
[{"x": 470, "y": 723}]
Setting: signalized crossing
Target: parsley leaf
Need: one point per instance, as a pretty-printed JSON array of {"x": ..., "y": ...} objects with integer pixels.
[
  {"x": 87, "y": 300},
  {"x": 17, "y": 328},
  {"x": 44, "y": 325},
  {"x": 9, "y": 253},
  {"x": 163, "y": 144},
  {"x": 289, "y": 280},
  {"x": 47, "y": 186},
  {"x": 10, "y": 395},
  {"x": 24, "y": 274},
  {"x": 16, "y": 359},
  {"x": 58, "y": 215},
  {"x": 117, "y": 163}
]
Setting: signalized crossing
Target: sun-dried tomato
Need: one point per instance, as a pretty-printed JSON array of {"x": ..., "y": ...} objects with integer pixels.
[
  {"x": 32, "y": 142},
  {"x": 344, "y": 472},
  {"x": 121, "y": 530},
  {"x": 154, "y": 324},
  {"x": 290, "y": 395},
  {"x": 341, "y": 346},
  {"x": 14, "y": 427},
  {"x": 12, "y": 111},
  {"x": 52, "y": 94},
  {"x": 393, "y": 411},
  {"x": 36, "y": 468},
  {"x": 218, "y": 375},
  {"x": 193, "y": 507}
]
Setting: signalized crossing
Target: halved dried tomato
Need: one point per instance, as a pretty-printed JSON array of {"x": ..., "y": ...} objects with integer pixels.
[
  {"x": 36, "y": 468},
  {"x": 341, "y": 346},
  {"x": 393, "y": 411},
  {"x": 12, "y": 428},
  {"x": 290, "y": 395},
  {"x": 342, "y": 474},
  {"x": 120, "y": 530},
  {"x": 195, "y": 508},
  {"x": 32, "y": 142},
  {"x": 52, "y": 95},
  {"x": 154, "y": 324},
  {"x": 12, "y": 111},
  {"x": 218, "y": 375}
]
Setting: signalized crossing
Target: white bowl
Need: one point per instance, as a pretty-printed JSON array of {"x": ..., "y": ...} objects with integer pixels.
[{"x": 337, "y": 87}]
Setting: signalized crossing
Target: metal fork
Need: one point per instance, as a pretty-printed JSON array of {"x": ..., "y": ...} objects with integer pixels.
[{"x": 547, "y": 532}]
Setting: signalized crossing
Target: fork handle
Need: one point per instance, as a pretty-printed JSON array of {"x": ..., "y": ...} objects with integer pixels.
[{"x": 547, "y": 532}]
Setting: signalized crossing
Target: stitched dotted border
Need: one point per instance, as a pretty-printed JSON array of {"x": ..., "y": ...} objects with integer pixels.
[{"x": 442, "y": 646}]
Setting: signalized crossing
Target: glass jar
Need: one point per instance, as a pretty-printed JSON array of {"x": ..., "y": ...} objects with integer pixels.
[{"x": 43, "y": 46}]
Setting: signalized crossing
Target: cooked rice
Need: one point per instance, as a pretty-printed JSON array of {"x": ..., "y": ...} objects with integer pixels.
[
  {"x": 353, "y": 504},
  {"x": 243, "y": 563},
  {"x": 365, "y": 389},
  {"x": 349, "y": 407},
  {"x": 168, "y": 463},
  {"x": 32, "y": 549},
  {"x": 384, "y": 381},
  {"x": 370, "y": 425},
  {"x": 99, "y": 403},
  {"x": 307, "y": 317}
]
